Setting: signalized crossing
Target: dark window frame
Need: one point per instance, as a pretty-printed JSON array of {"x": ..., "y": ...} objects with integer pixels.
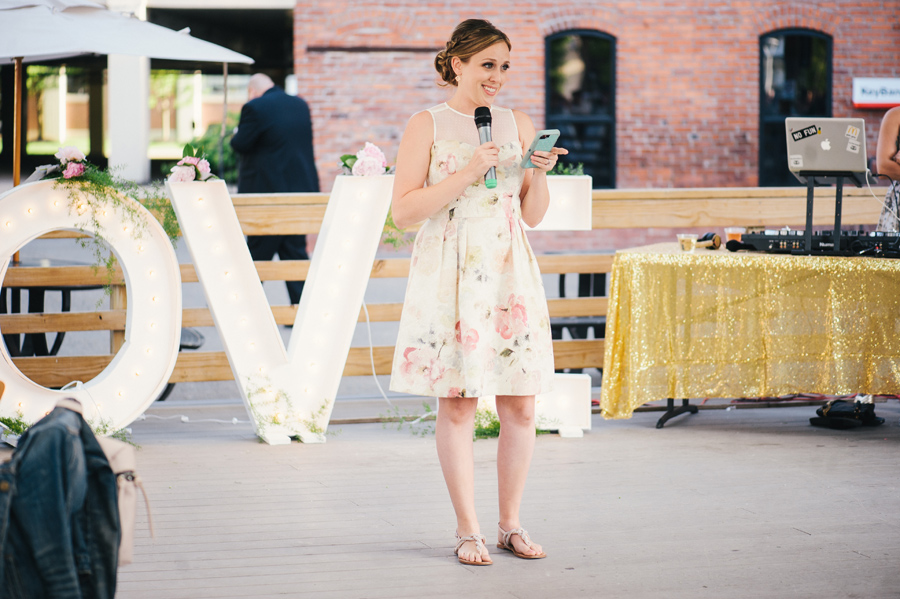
[
  {"x": 769, "y": 119},
  {"x": 608, "y": 119}
]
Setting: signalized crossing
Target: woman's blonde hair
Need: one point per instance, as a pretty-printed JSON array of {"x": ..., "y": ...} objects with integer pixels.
[{"x": 469, "y": 38}]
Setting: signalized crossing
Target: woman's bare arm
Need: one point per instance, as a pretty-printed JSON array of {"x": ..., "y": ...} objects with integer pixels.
[{"x": 886, "y": 154}]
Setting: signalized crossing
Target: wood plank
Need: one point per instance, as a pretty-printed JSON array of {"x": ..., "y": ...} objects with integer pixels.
[
  {"x": 56, "y": 371},
  {"x": 63, "y": 234},
  {"x": 390, "y": 268},
  {"x": 582, "y": 353},
  {"x": 56, "y": 276},
  {"x": 678, "y": 193},
  {"x": 279, "y": 199},
  {"x": 197, "y": 317},
  {"x": 282, "y": 270},
  {"x": 17, "y": 324},
  {"x": 198, "y": 366},
  {"x": 575, "y": 263},
  {"x": 717, "y": 212},
  {"x": 280, "y": 220},
  {"x": 582, "y": 306}
]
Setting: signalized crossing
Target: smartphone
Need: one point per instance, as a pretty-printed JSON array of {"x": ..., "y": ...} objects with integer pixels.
[{"x": 543, "y": 142}]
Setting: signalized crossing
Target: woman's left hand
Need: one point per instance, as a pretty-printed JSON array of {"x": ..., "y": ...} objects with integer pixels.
[{"x": 545, "y": 161}]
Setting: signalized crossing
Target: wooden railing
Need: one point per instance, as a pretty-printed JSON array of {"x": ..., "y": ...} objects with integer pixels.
[{"x": 276, "y": 214}]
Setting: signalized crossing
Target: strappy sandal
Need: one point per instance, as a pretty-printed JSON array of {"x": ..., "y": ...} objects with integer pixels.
[
  {"x": 479, "y": 547},
  {"x": 507, "y": 545}
]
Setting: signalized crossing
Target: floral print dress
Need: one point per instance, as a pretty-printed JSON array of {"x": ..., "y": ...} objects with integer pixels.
[{"x": 475, "y": 318}]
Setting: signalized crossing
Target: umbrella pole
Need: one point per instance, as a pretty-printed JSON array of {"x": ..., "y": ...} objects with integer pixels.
[
  {"x": 17, "y": 121},
  {"x": 17, "y": 130},
  {"x": 224, "y": 120}
]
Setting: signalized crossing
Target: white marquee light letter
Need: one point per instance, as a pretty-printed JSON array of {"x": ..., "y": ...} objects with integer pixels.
[
  {"x": 288, "y": 392},
  {"x": 143, "y": 365}
]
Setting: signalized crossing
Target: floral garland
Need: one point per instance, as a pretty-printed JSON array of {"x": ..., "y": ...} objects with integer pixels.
[
  {"x": 192, "y": 167},
  {"x": 92, "y": 191}
]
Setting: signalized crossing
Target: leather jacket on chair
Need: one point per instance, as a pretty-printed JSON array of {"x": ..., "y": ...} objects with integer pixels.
[{"x": 59, "y": 520}]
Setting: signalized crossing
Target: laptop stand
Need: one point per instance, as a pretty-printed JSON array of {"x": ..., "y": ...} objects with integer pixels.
[{"x": 823, "y": 178}]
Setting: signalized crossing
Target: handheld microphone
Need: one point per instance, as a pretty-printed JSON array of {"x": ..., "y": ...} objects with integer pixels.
[{"x": 483, "y": 122}]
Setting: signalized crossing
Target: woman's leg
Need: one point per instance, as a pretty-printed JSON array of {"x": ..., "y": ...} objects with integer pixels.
[
  {"x": 453, "y": 432},
  {"x": 514, "y": 452}
]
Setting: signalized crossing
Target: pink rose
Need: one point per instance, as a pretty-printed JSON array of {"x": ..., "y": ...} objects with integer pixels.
[
  {"x": 372, "y": 151},
  {"x": 182, "y": 174},
  {"x": 468, "y": 338},
  {"x": 448, "y": 166},
  {"x": 203, "y": 167},
  {"x": 409, "y": 361},
  {"x": 73, "y": 169},
  {"x": 69, "y": 154},
  {"x": 511, "y": 319},
  {"x": 415, "y": 362},
  {"x": 368, "y": 166},
  {"x": 201, "y": 164}
]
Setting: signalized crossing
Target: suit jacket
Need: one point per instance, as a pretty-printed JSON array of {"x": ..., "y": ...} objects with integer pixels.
[{"x": 275, "y": 143}]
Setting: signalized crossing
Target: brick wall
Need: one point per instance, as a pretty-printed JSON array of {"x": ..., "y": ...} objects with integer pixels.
[{"x": 687, "y": 74}]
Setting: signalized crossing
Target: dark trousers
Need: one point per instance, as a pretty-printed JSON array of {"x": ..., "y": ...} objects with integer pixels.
[{"x": 288, "y": 247}]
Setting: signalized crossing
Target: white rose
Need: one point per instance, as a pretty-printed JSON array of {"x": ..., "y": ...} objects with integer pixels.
[
  {"x": 367, "y": 165},
  {"x": 181, "y": 174},
  {"x": 69, "y": 153}
]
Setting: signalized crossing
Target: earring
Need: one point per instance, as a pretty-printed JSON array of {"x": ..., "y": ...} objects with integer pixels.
[{"x": 457, "y": 79}]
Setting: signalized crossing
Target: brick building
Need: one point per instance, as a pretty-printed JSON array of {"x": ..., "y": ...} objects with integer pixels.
[{"x": 685, "y": 93}]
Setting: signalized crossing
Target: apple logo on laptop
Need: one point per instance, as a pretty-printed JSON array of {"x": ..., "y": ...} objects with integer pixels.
[{"x": 826, "y": 145}]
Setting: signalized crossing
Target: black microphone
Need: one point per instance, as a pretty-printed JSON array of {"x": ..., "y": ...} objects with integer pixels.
[
  {"x": 734, "y": 245},
  {"x": 483, "y": 122}
]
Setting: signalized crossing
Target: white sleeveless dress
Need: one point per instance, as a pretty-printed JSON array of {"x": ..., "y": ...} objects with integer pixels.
[{"x": 475, "y": 318}]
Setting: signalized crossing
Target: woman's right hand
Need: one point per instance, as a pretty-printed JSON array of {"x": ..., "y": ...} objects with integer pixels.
[{"x": 485, "y": 156}]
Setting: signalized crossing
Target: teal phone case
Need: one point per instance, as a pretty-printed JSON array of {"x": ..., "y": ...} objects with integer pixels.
[{"x": 543, "y": 142}]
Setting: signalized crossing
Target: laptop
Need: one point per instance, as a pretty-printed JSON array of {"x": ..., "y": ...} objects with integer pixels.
[{"x": 826, "y": 148}]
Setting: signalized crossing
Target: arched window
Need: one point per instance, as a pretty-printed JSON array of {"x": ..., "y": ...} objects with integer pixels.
[
  {"x": 794, "y": 80},
  {"x": 581, "y": 94}
]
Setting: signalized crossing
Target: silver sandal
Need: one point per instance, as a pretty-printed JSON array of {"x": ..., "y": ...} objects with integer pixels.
[
  {"x": 523, "y": 534},
  {"x": 479, "y": 547}
]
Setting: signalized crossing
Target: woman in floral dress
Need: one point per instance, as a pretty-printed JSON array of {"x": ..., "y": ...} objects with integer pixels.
[
  {"x": 475, "y": 319},
  {"x": 888, "y": 163}
]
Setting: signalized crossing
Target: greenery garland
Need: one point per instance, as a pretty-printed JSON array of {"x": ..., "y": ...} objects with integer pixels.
[{"x": 93, "y": 191}]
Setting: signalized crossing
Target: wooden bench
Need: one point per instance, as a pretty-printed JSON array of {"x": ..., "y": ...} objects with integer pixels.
[{"x": 275, "y": 214}]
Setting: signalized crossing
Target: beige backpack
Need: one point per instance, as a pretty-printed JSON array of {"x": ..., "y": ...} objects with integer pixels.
[{"x": 123, "y": 461}]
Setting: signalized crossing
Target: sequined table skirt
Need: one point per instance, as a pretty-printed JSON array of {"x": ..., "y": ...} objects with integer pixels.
[{"x": 723, "y": 324}]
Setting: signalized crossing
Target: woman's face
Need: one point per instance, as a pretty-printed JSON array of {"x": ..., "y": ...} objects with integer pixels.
[{"x": 481, "y": 78}]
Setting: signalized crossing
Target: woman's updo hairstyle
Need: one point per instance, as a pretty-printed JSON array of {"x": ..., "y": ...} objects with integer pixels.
[{"x": 469, "y": 38}]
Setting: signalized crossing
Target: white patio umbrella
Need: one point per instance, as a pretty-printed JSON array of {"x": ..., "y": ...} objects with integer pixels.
[{"x": 43, "y": 30}]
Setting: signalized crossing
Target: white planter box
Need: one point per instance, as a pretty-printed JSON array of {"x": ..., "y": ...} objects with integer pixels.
[
  {"x": 567, "y": 408},
  {"x": 570, "y": 204}
]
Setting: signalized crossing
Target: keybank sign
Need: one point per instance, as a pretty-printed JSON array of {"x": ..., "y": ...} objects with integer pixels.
[{"x": 875, "y": 92}]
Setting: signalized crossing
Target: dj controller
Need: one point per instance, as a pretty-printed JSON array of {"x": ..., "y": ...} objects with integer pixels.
[{"x": 879, "y": 244}]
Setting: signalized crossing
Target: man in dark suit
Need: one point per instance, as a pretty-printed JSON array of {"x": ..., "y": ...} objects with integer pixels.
[{"x": 275, "y": 142}]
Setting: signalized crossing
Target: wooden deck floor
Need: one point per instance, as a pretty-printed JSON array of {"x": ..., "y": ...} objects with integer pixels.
[{"x": 743, "y": 503}]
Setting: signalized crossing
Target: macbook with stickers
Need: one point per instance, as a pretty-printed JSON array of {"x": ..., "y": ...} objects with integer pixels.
[{"x": 826, "y": 148}]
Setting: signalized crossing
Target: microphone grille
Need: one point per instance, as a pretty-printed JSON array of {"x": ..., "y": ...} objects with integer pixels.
[{"x": 482, "y": 116}]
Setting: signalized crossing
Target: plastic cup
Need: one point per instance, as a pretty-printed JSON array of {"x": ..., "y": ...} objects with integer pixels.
[
  {"x": 734, "y": 233},
  {"x": 687, "y": 242}
]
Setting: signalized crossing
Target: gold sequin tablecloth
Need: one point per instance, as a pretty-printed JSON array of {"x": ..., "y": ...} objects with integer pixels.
[{"x": 723, "y": 324}]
